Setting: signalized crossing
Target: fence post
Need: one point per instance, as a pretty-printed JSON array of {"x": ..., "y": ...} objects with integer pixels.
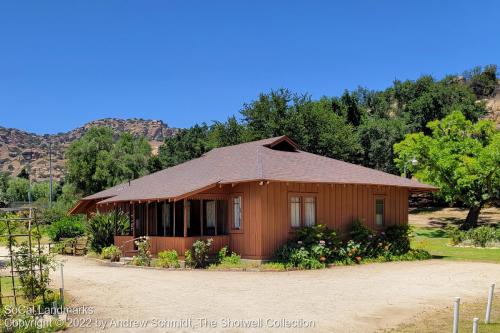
[
  {"x": 475, "y": 323},
  {"x": 456, "y": 309},
  {"x": 488, "y": 306},
  {"x": 61, "y": 290}
]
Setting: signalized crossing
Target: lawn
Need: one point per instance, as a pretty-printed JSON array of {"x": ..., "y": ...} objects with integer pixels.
[
  {"x": 437, "y": 243},
  {"x": 6, "y": 285}
]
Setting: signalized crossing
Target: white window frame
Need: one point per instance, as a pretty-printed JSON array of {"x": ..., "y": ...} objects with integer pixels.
[
  {"x": 380, "y": 224},
  {"x": 234, "y": 227},
  {"x": 303, "y": 196}
]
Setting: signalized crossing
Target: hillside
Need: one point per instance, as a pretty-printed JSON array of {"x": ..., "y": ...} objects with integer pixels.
[{"x": 16, "y": 146}]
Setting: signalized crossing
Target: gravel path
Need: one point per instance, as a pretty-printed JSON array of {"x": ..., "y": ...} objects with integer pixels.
[{"x": 344, "y": 299}]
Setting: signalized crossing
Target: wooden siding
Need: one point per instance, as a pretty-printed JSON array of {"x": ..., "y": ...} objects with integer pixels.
[
  {"x": 337, "y": 205},
  {"x": 265, "y": 214}
]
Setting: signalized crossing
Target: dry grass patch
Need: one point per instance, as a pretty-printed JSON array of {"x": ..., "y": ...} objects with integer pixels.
[{"x": 442, "y": 320}]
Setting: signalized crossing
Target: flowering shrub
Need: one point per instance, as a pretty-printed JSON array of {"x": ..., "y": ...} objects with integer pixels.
[
  {"x": 197, "y": 256},
  {"x": 143, "y": 257},
  {"x": 311, "y": 248}
]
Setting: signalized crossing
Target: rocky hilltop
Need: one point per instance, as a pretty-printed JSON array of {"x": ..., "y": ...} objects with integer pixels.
[{"x": 18, "y": 148}]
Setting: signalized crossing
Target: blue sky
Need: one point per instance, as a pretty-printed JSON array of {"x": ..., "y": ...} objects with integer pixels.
[{"x": 63, "y": 63}]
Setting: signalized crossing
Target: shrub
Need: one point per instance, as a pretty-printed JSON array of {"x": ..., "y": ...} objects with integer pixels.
[
  {"x": 221, "y": 254},
  {"x": 198, "y": 255},
  {"x": 33, "y": 269},
  {"x": 457, "y": 236},
  {"x": 229, "y": 261},
  {"x": 398, "y": 236},
  {"x": 101, "y": 229},
  {"x": 366, "y": 242},
  {"x": 111, "y": 252},
  {"x": 310, "y": 248},
  {"x": 143, "y": 257},
  {"x": 66, "y": 227},
  {"x": 168, "y": 259},
  {"x": 483, "y": 235}
]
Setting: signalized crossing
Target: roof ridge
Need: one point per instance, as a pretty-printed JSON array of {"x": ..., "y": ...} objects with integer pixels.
[{"x": 260, "y": 167}]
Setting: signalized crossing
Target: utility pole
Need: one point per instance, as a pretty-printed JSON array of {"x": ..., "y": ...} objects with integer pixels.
[{"x": 50, "y": 174}]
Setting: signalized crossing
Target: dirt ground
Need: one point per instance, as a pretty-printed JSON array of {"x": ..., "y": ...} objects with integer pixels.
[
  {"x": 362, "y": 298},
  {"x": 440, "y": 217}
]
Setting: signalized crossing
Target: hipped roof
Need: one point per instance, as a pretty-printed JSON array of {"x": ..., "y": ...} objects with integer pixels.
[{"x": 273, "y": 159}]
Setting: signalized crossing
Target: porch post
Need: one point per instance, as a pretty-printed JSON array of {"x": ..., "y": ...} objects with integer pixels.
[
  {"x": 201, "y": 217},
  {"x": 185, "y": 218},
  {"x": 173, "y": 230},
  {"x": 147, "y": 218},
  {"x": 133, "y": 220},
  {"x": 216, "y": 216}
]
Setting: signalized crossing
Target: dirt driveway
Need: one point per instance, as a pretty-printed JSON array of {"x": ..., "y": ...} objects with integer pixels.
[{"x": 343, "y": 299}]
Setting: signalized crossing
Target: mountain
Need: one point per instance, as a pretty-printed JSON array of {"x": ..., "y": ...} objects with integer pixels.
[{"x": 18, "y": 147}]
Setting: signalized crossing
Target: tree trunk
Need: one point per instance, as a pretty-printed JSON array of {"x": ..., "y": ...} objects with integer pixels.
[{"x": 472, "y": 217}]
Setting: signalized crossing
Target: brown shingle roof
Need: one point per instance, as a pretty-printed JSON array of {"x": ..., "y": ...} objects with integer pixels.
[{"x": 274, "y": 159}]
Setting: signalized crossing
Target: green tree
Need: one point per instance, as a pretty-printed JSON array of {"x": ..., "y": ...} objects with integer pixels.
[
  {"x": 127, "y": 159},
  {"x": 482, "y": 82},
  {"x": 83, "y": 156},
  {"x": 377, "y": 136},
  {"x": 4, "y": 185},
  {"x": 18, "y": 189},
  {"x": 460, "y": 157},
  {"x": 227, "y": 134},
  {"x": 426, "y": 100},
  {"x": 187, "y": 144},
  {"x": 98, "y": 161}
]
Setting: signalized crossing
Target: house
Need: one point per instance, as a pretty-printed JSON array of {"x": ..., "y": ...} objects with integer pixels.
[{"x": 251, "y": 197}]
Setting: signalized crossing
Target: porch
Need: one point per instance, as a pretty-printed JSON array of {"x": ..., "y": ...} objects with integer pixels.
[{"x": 176, "y": 225}]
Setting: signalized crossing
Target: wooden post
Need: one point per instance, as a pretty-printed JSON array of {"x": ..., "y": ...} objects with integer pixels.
[
  {"x": 147, "y": 218},
  {"x": 133, "y": 220},
  {"x": 185, "y": 218},
  {"x": 216, "y": 216},
  {"x": 173, "y": 222},
  {"x": 201, "y": 217}
]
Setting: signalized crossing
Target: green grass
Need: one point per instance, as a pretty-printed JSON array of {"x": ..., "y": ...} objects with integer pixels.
[
  {"x": 6, "y": 283},
  {"x": 436, "y": 242}
]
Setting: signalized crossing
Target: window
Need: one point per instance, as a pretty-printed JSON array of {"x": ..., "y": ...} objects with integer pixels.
[
  {"x": 302, "y": 210},
  {"x": 237, "y": 212},
  {"x": 295, "y": 212},
  {"x": 210, "y": 213},
  {"x": 310, "y": 211},
  {"x": 379, "y": 212}
]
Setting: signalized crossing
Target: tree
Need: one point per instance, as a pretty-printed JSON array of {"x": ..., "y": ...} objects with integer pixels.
[
  {"x": 377, "y": 136},
  {"x": 83, "y": 156},
  {"x": 98, "y": 161},
  {"x": 4, "y": 185},
  {"x": 482, "y": 82},
  {"x": 187, "y": 144},
  {"x": 18, "y": 189},
  {"x": 128, "y": 159},
  {"x": 227, "y": 134},
  {"x": 460, "y": 157}
]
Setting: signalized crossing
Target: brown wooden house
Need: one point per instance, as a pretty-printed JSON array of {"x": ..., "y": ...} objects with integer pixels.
[{"x": 251, "y": 197}]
